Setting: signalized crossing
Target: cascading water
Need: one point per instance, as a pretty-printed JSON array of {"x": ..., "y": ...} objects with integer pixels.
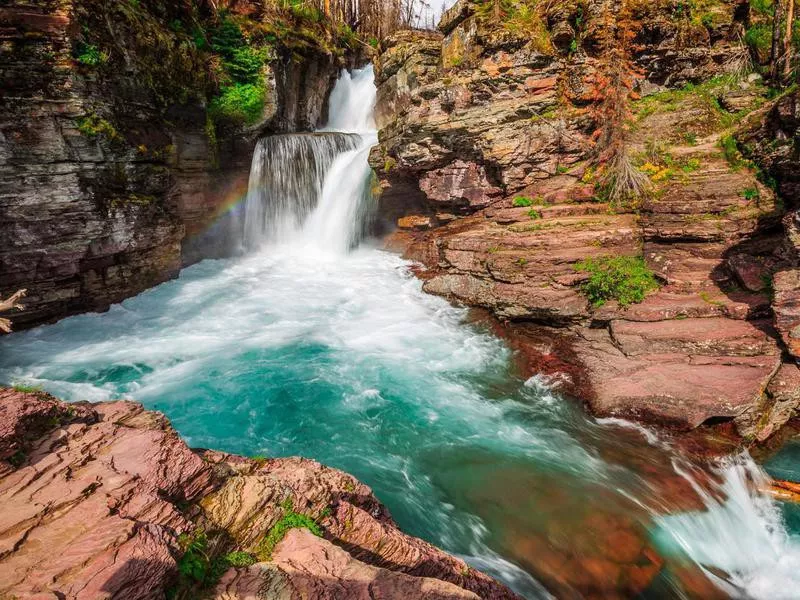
[
  {"x": 297, "y": 348},
  {"x": 316, "y": 187}
]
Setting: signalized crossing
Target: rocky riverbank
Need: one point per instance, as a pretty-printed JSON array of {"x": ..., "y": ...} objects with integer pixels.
[
  {"x": 485, "y": 161},
  {"x": 106, "y": 501}
]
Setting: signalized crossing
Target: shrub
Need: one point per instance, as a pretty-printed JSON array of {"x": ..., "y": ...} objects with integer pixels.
[
  {"x": 245, "y": 65},
  {"x": 239, "y": 559},
  {"x": 750, "y": 193},
  {"x": 521, "y": 201},
  {"x": 759, "y": 39},
  {"x": 93, "y": 125},
  {"x": 625, "y": 279},
  {"x": 27, "y": 389},
  {"x": 90, "y": 55},
  {"x": 239, "y": 104},
  {"x": 534, "y": 214},
  {"x": 730, "y": 149}
]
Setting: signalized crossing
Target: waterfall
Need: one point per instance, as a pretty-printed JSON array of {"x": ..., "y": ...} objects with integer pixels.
[{"x": 315, "y": 188}]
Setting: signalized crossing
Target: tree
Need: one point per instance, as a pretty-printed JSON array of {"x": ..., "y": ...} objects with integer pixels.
[
  {"x": 786, "y": 58},
  {"x": 11, "y": 303},
  {"x": 613, "y": 89}
]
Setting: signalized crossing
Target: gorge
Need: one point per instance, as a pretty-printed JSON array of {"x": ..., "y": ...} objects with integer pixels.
[{"x": 305, "y": 333}]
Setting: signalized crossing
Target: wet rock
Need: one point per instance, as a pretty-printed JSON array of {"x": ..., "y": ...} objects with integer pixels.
[{"x": 95, "y": 496}]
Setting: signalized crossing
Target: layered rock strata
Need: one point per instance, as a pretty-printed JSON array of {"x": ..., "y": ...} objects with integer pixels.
[
  {"x": 97, "y": 500},
  {"x": 489, "y": 132},
  {"x": 111, "y": 177}
]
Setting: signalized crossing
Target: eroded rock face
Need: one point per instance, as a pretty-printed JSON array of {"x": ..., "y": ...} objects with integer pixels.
[
  {"x": 95, "y": 496},
  {"x": 109, "y": 180},
  {"x": 705, "y": 346}
]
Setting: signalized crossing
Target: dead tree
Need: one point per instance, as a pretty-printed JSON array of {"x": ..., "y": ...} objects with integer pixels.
[{"x": 11, "y": 303}]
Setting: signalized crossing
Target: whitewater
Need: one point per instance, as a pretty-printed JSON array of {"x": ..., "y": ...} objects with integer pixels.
[{"x": 316, "y": 342}]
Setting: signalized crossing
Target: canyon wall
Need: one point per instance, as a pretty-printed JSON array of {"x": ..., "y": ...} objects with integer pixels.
[
  {"x": 487, "y": 164},
  {"x": 112, "y": 175}
]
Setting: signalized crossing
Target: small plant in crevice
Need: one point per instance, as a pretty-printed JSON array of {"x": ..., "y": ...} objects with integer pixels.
[
  {"x": 93, "y": 125},
  {"x": 90, "y": 55},
  {"x": 521, "y": 202},
  {"x": 750, "y": 194},
  {"x": 289, "y": 520},
  {"x": 199, "y": 569},
  {"x": 626, "y": 279}
]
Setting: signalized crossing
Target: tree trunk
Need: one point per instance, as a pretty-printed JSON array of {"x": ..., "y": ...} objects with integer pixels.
[
  {"x": 786, "y": 58},
  {"x": 775, "y": 54}
]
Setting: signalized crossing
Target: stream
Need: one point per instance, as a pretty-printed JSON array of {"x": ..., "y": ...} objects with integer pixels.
[{"x": 316, "y": 342}]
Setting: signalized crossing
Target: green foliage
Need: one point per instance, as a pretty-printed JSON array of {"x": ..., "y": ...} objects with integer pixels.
[
  {"x": 194, "y": 565},
  {"x": 93, "y": 126},
  {"x": 759, "y": 39},
  {"x": 625, "y": 279},
  {"x": 90, "y": 55},
  {"x": 246, "y": 64},
  {"x": 534, "y": 214},
  {"x": 198, "y": 570},
  {"x": 239, "y": 104},
  {"x": 730, "y": 149},
  {"x": 290, "y": 520},
  {"x": 27, "y": 389},
  {"x": 762, "y": 7},
  {"x": 520, "y": 201},
  {"x": 239, "y": 559},
  {"x": 17, "y": 459},
  {"x": 750, "y": 193},
  {"x": 227, "y": 37}
]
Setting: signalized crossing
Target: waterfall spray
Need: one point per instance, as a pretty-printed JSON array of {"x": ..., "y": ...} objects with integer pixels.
[{"x": 314, "y": 189}]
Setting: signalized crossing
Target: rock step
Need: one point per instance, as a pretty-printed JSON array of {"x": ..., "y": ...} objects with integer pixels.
[{"x": 696, "y": 336}]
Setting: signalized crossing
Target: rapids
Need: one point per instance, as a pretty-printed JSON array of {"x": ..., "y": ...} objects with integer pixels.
[{"x": 313, "y": 344}]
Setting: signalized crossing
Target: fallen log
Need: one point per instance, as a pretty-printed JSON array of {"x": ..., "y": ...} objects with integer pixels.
[{"x": 787, "y": 491}]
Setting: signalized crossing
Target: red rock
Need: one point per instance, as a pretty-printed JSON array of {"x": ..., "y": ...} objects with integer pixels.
[
  {"x": 787, "y": 308},
  {"x": 91, "y": 510},
  {"x": 305, "y": 566},
  {"x": 461, "y": 185},
  {"x": 414, "y": 222}
]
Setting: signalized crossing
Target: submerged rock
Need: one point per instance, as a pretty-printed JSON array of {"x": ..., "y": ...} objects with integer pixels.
[{"x": 95, "y": 498}]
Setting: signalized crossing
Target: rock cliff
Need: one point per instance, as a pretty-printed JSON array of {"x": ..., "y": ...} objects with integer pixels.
[
  {"x": 106, "y": 501},
  {"x": 486, "y": 157},
  {"x": 113, "y": 174}
]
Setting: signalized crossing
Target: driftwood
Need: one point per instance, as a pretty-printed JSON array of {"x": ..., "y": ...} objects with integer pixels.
[
  {"x": 11, "y": 303},
  {"x": 788, "y": 491}
]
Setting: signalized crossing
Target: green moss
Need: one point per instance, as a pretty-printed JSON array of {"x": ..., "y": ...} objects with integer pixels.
[
  {"x": 239, "y": 559},
  {"x": 625, "y": 279},
  {"x": 290, "y": 520}
]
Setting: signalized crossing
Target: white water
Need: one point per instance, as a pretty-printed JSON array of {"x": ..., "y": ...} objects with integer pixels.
[
  {"x": 314, "y": 190},
  {"x": 302, "y": 347},
  {"x": 740, "y": 539}
]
